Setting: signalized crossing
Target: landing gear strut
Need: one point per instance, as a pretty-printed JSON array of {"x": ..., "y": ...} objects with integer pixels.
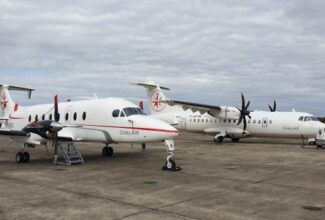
[
  {"x": 107, "y": 151},
  {"x": 170, "y": 163}
]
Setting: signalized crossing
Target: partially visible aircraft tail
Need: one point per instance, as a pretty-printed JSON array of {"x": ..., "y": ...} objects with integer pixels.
[
  {"x": 155, "y": 97},
  {"x": 7, "y": 104}
]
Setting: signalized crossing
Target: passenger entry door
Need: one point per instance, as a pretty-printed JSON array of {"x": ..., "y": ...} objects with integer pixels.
[{"x": 265, "y": 122}]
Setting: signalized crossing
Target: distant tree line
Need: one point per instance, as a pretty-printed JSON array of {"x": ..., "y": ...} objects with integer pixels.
[{"x": 322, "y": 119}]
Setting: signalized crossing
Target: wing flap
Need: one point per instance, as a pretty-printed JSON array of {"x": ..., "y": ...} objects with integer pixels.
[{"x": 196, "y": 107}]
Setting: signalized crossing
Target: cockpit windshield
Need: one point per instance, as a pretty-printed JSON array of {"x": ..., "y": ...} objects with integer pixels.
[
  {"x": 308, "y": 118},
  {"x": 133, "y": 111}
]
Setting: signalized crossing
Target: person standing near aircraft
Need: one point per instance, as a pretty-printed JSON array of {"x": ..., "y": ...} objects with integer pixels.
[
  {"x": 109, "y": 121},
  {"x": 228, "y": 121}
]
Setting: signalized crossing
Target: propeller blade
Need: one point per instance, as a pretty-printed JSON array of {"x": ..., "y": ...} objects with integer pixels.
[
  {"x": 248, "y": 103},
  {"x": 240, "y": 119},
  {"x": 274, "y": 106},
  {"x": 245, "y": 124},
  {"x": 242, "y": 101},
  {"x": 271, "y": 109},
  {"x": 56, "y": 109}
]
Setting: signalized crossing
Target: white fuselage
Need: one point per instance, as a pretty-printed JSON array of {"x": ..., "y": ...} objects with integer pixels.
[
  {"x": 261, "y": 124},
  {"x": 93, "y": 121}
]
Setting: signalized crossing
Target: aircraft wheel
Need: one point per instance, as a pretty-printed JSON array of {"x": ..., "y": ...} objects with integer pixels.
[
  {"x": 26, "y": 157},
  {"x": 19, "y": 157},
  {"x": 110, "y": 151},
  {"x": 235, "y": 140},
  {"x": 107, "y": 151},
  {"x": 171, "y": 166},
  {"x": 143, "y": 146},
  {"x": 219, "y": 140}
]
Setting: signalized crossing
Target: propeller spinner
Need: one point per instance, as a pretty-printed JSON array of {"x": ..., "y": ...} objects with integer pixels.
[{"x": 244, "y": 112}]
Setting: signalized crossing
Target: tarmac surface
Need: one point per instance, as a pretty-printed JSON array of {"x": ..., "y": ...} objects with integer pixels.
[{"x": 252, "y": 179}]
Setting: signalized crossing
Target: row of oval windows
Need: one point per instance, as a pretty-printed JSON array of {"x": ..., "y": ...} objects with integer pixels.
[
  {"x": 225, "y": 120},
  {"x": 75, "y": 116}
]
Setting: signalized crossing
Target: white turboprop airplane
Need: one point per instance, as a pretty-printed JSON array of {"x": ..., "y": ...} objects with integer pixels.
[
  {"x": 110, "y": 120},
  {"x": 231, "y": 122}
]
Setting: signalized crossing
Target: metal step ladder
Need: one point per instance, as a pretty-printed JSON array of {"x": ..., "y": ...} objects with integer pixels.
[{"x": 68, "y": 154}]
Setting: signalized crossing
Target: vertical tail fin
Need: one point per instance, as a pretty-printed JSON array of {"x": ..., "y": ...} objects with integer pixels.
[
  {"x": 7, "y": 104},
  {"x": 155, "y": 96}
]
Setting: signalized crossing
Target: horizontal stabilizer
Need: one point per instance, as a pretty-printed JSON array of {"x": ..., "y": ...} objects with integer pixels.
[
  {"x": 150, "y": 85},
  {"x": 16, "y": 88}
]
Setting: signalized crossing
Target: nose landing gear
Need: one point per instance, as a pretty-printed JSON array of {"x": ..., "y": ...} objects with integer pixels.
[{"x": 170, "y": 164}]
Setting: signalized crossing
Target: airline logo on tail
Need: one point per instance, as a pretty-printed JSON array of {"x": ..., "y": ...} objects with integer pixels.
[
  {"x": 4, "y": 102},
  {"x": 156, "y": 103}
]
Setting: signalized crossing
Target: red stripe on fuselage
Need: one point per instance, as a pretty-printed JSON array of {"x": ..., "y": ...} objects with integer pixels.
[{"x": 127, "y": 127}]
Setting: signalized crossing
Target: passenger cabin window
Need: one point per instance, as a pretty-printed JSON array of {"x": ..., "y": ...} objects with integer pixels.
[
  {"x": 84, "y": 116},
  {"x": 43, "y": 117},
  {"x": 67, "y": 116},
  {"x": 116, "y": 113},
  {"x": 30, "y": 118},
  {"x": 36, "y": 117},
  {"x": 75, "y": 116},
  {"x": 133, "y": 111},
  {"x": 270, "y": 122},
  {"x": 254, "y": 121},
  {"x": 50, "y": 117},
  {"x": 259, "y": 121}
]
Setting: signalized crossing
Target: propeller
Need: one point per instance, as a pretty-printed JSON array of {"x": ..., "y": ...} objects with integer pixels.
[
  {"x": 46, "y": 128},
  {"x": 273, "y": 109},
  {"x": 244, "y": 112}
]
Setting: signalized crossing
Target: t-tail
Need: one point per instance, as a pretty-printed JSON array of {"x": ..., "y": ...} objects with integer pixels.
[
  {"x": 156, "y": 97},
  {"x": 7, "y": 104}
]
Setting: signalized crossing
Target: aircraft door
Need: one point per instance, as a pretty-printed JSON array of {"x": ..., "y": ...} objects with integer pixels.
[
  {"x": 183, "y": 123},
  {"x": 265, "y": 122}
]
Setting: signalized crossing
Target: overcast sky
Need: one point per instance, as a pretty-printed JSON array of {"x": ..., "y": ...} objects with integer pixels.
[{"x": 206, "y": 51}]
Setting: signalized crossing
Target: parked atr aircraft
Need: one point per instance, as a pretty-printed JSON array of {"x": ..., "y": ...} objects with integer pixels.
[
  {"x": 110, "y": 120},
  {"x": 230, "y": 122}
]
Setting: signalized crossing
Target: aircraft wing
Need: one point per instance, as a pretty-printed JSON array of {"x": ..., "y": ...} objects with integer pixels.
[
  {"x": 194, "y": 107},
  {"x": 14, "y": 133}
]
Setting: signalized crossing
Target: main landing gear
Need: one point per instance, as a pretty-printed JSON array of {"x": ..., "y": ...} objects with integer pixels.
[
  {"x": 170, "y": 163},
  {"x": 107, "y": 151},
  {"x": 22, "y": 157},
  {"x": 218, "y": 139}
]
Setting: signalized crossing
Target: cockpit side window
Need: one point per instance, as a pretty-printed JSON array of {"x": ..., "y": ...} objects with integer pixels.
[
  {"x": 116, "y": 113},
  {"x": 122, "y": 114},
  {"x": 133, "y": 111},
  {"x": 307, "y": 118},
  {"x": 301, "y": 118}
]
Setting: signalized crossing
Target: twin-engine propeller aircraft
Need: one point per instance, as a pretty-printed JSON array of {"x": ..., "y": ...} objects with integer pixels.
[
  {"x": 109, "y": 121},
  {"x": 230, "y": 122}
]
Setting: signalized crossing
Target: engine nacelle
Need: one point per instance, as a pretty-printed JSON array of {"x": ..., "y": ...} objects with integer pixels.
[{"x": 229, "y": 112}]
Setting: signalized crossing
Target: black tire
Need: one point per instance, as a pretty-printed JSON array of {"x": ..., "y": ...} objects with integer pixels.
[
  {"x": 219, "y": 140},
  {"x": 110, "y": 151},
  {"x": 26, "y": 157},
  {"x": 143, "y": 146},
  {"x": 172, "y": 163},
  {"x": 105, "y": 151},
  {"x": 19, "y": 157},
  {"x": 235, "y": 140}
]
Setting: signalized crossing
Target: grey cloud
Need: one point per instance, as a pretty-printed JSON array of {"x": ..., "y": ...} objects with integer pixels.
[{"x": 206, "y": 51}]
